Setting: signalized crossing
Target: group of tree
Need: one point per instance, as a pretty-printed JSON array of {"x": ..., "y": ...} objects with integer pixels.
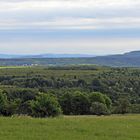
[
  {"x": 114, "y": 82},
  {"x": 78, "y": 103},
  {"x": 81, "y": 90},
  {"x": 28, "y": 102},
  {"x": 39, "y": 105},
  {"x": 45, "y": 105}
]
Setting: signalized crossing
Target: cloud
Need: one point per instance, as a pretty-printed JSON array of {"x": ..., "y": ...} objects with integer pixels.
[
  {"x": 69, "y": 14},
  {"x": 69, "y": 25}
]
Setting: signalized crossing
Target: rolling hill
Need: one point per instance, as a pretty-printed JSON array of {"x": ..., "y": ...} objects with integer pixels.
[{"x": 131, "y": 59}]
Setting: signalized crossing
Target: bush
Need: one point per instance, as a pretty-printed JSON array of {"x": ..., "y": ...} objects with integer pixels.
[
  {"x": 123, "y": 106},
  {"x": 3, "y": 103},
  {"x": 97, "y": 97},
  {"x": 100, "y": 98},
  {"x": 45, "y": 106},
  {"x": 12, "y": 107},
  {"x": 76, "y": 103},
  {"x": 99, "y": 109},
  {"x": 108, "y": 101},
  {"x": 135, "y": 108}
]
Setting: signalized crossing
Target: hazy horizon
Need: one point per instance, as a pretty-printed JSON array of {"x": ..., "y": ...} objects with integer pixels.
[
  {"x": 98, "y": 27},
  {"x": 88, "y": 54}
]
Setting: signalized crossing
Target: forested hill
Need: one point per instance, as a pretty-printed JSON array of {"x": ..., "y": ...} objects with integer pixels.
[{"x": 131, "y": 59}]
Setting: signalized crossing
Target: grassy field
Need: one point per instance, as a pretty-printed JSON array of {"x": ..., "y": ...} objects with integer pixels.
[{"x": 71, "y": 128}]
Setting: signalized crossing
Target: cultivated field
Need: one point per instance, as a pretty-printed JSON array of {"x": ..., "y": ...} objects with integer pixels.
[{"x": 71, "y": 128}]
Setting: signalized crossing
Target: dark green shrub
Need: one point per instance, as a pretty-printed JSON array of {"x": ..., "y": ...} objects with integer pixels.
[
  {"x": 135, "y": 108},
  {"x": 76, "y": 103},
  {"x": 108, "y": 101},
  {"x": 101, "y": 98},
  {"x": 45, "y": 106},
  {"x": 3, "y": 102},
  {"x": 123, "y": 106},
  {"x": 97, "y": 97},
  {"x": 99, "y": 109}
]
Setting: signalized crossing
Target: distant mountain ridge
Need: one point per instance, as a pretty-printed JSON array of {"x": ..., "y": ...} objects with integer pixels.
[
  {"x": 8, "y": 56},
  {"x": 133, "y": 54},
  {"x": 130, "y": 59}
]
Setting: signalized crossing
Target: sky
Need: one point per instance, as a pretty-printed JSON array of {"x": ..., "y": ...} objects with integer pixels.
[{"x": 97, "y": 27}]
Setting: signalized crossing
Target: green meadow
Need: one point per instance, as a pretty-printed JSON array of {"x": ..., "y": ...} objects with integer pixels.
[{"x": 115, "y": 127}]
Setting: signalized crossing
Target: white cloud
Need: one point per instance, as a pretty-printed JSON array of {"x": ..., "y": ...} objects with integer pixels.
[
  {"x": 72, "y": 23},
  {"x": 69, "y": 14},
  {"x": 68, "y": 5}
]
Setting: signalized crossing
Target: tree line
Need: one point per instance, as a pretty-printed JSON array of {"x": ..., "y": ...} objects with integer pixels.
[{"x": 37, "y": 104}]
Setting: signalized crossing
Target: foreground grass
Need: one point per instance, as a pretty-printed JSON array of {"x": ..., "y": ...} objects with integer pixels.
[{"x": 71, "y": 128}]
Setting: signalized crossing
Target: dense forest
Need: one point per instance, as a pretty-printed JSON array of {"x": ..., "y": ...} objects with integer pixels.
[{"x": 69, "y": 90}]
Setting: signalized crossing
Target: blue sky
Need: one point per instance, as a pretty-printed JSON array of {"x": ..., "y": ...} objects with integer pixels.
[{"x": 69, "y": 26}]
